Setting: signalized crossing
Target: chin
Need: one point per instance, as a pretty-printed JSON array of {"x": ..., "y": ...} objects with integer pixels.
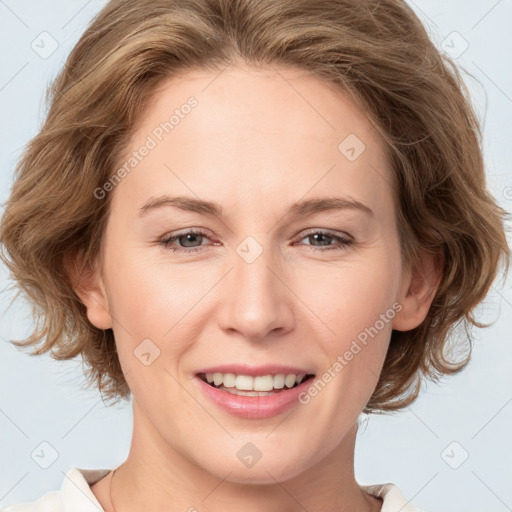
[{"x": 267, "y": 470}]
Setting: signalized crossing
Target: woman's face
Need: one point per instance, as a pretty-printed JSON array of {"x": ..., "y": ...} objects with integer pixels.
[{"x": 265, "y": 282}]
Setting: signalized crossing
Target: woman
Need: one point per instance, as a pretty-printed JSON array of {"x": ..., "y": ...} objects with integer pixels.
[{"x": 258, "y": 219}]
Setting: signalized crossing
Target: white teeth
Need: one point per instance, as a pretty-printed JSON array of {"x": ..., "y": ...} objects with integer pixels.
[
  {"x": 244, "y": 383},
  {"x": 259, "y": 383},
  {"x": 289, "y": 381},
  {"x": 235, "y": 391},
  {"x": 229, "y": 380},
  {"x": 279, "y": 381},
  {"x": 263, "y": 383}
]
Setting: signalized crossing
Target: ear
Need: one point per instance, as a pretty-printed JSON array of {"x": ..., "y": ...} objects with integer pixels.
[
  {"x": 417, "y": 290},
  {"x": 88, "y": 284}
]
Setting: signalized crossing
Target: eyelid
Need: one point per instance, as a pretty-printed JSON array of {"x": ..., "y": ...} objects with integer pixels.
[
  {"x": 166, "y": 239},
  {"x": 325, "y": 231}
]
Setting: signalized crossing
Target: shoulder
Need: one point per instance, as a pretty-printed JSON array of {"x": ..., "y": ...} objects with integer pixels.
[
  {"x": 74, "y": 494},
  {"x": 392, "y": 497},
  {"x": 49, "y": 502}
]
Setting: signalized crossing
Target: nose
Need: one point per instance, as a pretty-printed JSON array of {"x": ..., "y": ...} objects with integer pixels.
[{"x": 256, "y": 301}]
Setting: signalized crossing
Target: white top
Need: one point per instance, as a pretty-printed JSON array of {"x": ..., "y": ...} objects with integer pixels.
[{"x": 75, "y": 495}]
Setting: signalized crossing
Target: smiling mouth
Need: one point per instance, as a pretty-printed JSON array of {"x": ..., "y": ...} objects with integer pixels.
[{"x": 253, "y": 392}]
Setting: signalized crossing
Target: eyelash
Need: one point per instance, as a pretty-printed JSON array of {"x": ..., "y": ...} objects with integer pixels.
[{"x": 344, "y": 241}]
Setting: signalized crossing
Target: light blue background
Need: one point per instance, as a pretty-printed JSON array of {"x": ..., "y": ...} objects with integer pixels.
[{"x": 42, "y": 399}]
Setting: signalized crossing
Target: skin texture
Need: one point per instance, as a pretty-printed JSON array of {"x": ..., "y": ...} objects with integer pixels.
[{"x": 259, "y": 140}]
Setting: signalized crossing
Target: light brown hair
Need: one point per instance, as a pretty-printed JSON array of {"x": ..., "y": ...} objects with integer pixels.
[{"x": 377, "y": 50}]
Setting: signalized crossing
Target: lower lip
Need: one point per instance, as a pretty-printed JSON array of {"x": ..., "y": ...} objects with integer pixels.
[{"x": 254, "y": 407}]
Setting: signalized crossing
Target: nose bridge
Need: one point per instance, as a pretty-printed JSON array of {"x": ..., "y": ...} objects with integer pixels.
[{"x": 256, "y": 299}]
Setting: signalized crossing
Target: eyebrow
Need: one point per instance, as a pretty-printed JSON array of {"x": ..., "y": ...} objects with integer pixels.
[{"x": 299, "y": 209}]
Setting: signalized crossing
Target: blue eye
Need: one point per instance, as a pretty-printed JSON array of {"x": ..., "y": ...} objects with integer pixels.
[
  {"x": 192, "y": 236},
  {"x": 320, "y": 235}
]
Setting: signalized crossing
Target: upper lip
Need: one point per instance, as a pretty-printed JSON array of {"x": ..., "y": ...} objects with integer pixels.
[{"x": 254, "y": 371}]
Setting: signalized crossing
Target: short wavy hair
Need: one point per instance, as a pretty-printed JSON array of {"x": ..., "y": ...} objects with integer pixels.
[{"x": 376, "y": 50}]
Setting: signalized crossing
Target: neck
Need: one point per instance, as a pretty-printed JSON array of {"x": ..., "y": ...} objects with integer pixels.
[{"x": 158, "y": 477}]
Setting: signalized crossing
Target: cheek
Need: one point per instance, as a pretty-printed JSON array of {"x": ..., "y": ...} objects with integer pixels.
[
  {"x": 148, "y": 298},
  {"x": 350, "y": 298},
  {"x": 163, "y": 303},
  {"x": 357, "y": 307}
]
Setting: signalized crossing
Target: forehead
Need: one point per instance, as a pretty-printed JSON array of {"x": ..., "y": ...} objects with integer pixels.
[
  {"x": 260, "y": 99},
  {"x": 253, "y": 131}
]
